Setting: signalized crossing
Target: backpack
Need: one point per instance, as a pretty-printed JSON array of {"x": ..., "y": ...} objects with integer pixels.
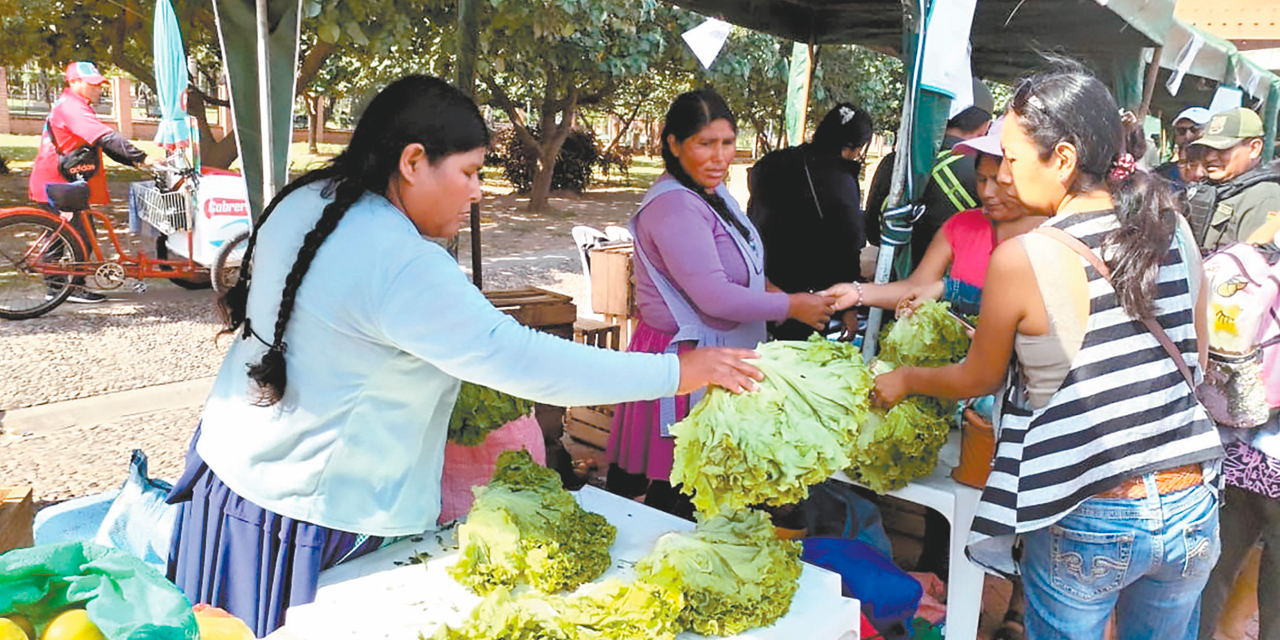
[
  {"x": 1203, "y": 198},
  {"x": 1242, "y": 383}
]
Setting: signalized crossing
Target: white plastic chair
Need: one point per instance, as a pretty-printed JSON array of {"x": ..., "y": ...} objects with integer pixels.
[
  {"x": 618, "y": 234},
  {"x": 586, "y": 239}
]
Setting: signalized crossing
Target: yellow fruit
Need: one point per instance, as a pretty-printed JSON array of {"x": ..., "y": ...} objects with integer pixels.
[
  {"x": 9, "y": 630},
  {"x": 72, "y": 625},
  {"x": 23, "y": 623}
]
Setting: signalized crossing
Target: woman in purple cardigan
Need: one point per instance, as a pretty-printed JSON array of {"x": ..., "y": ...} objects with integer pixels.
[{"x": 699, "y": 282}]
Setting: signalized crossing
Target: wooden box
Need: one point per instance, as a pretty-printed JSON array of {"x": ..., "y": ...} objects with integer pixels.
[
  {"x": 538, "y": 308},
  {"x": 613, "y": 285},
  {"x": 17, "y": 512},
  {"x": 590, "y": 425}
]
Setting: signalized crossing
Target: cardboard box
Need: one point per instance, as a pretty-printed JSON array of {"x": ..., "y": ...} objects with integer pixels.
[
  {"x": 17, "y": 512},
  {"x": 613, "y": 285}
]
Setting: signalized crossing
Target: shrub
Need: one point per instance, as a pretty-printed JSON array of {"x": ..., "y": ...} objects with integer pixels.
[
  {"x": 4, "y": 166},
  {"x": 573, "y": 166}
]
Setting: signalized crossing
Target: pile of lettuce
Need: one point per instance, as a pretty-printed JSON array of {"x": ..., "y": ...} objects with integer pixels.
[
  {"x": 480, "y": 410},
  {"x": 900, "y": 445},
  {"x": 611, "y": 610},
  {"x": 733, "y": 572},
  {"x": 769, "y": 446},
  {"x": 524, "y": 527}
]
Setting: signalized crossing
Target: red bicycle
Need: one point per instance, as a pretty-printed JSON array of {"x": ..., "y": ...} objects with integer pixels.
[{"x": 42, "y": 252}]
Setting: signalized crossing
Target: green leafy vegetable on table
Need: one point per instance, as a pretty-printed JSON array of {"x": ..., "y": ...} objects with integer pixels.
[
  {"x": 611, "y": 610},
  {"x": 733, "y": 571},
  {"x": 480, "y": 410},
  {"x": 524, "y": 527},
  {"x": 929, "y": 337}
]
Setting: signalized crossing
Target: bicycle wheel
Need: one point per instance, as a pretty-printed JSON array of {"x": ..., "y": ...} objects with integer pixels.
[
  {"x": 25, "y": 292},
  {"x": 226, "y": 268}
]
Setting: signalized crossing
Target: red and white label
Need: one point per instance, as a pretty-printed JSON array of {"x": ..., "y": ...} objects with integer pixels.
[{"x": 225, "y": 207}]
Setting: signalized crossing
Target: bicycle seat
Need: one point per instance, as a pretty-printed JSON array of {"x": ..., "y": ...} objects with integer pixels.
[{"x": 68, "y": 198}]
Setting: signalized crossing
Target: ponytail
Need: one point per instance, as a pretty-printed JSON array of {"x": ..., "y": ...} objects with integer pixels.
[{"x": 1148, "y": 210}]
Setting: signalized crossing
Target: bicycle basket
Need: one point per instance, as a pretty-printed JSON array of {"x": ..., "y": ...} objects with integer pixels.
[{"x": 168, "y": 212}]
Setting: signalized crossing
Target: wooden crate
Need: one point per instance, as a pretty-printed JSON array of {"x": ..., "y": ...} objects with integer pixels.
[
  {"x": 17, "y": 512},
  {"x": 590, "y": 425},
  {"x": 606, "y": 335},
  {"x": 613, "y": 283},
  {"x": 538, "y": 308}
]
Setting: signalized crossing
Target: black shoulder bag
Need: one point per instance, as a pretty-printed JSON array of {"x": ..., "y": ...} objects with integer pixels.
[{"x": 81, "y": 163}]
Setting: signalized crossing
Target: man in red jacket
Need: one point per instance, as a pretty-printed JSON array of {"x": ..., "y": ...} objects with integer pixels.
[{"x": 73, "y": 124}]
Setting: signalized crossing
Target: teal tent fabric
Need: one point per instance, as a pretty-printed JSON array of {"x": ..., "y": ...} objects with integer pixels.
[
  {"x": 124, "y": 597},
  {"x": 171, "y": 78},
  {"x": 238, "y": 30}
]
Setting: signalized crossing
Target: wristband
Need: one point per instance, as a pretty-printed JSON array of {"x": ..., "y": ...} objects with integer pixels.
[{"x": 858, "y": 287}]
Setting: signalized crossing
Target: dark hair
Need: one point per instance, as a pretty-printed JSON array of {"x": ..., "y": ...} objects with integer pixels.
[
  {"x": 844, "y": 126},
  {"x": 969, "y": 119},
  {"x": 690, "y": 113},
  {"x": 1070, "y": 105},
  {"x": 414, "y": 109}
]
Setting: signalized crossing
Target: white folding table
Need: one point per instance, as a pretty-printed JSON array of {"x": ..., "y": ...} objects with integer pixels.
[{"x": 957, "y": 503}]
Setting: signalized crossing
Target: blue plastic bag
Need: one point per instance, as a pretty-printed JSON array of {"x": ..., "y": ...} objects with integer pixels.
[{"x": 139, "y": 521}]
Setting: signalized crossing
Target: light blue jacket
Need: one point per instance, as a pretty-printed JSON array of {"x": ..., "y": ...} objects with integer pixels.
[{"x": 384, "y": 327}]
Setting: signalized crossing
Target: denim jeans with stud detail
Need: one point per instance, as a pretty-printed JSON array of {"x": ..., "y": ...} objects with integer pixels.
[{"x": 1146, "y": 559}]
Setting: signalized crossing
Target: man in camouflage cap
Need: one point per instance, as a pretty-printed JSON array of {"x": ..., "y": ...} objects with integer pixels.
[{"x": 1233, "y": 153}]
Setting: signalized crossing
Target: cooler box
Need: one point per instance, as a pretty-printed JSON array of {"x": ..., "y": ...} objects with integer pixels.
[{"x": 221, "y": 214}]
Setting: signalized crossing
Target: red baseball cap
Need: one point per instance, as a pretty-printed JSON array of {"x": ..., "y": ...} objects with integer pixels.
[{"x": 84, "y": 71}]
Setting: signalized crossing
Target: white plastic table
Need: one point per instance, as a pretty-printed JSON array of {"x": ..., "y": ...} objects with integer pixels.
[
  {"x": 371, "y": 597},
  {"x": 957, "y": 503}
]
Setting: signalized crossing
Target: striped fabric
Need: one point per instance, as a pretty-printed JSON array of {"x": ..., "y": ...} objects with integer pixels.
[{"x": 1122, "y": 410}]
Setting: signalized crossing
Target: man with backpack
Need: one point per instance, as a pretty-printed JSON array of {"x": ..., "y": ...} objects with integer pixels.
[{"x": 1241, "y": 198}]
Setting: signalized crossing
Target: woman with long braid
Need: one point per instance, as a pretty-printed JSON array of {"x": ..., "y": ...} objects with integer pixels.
[
  {"x": 324, "y": 433},
  {"x": 699, "y": 281}
]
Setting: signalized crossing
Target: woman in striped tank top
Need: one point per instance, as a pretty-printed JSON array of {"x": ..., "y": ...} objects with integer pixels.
[{"x": 1101, "y": 494}]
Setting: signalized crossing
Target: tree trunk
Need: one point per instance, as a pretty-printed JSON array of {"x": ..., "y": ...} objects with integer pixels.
[
  {"x": 313, "y": 123},
  {"x": 213, "y": 152},
  {"x": 553, "y": 136}
]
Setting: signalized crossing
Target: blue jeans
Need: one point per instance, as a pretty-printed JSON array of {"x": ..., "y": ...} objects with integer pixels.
[{"x": 1146, "y": 559}]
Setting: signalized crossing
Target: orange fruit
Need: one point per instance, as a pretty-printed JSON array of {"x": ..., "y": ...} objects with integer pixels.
[{"x": 72, "y": 625}]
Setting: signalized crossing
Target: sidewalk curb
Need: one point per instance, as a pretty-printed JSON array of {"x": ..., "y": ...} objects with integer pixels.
[{"x": 106, "y": 407}]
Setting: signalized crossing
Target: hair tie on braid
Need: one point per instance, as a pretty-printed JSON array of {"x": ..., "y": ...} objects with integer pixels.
[
  {"x": 272, "y": 368},
  {"x": 1122, "y": 167}
]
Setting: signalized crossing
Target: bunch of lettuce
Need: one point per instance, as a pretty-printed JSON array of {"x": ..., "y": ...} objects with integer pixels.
[
  {"x": 929, "y": 337},
  {"x": 902, "y": 444},
  {"x": 733, "y": 571},
  {"x": 611, "y": 610},
  {"x": 480, "y": 410},
  {"x": 769, "y": 446},
  {"x": 525, "y": 527}
]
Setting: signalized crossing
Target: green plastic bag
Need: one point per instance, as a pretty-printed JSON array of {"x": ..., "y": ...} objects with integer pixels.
[{"x": 124, "y": 597}]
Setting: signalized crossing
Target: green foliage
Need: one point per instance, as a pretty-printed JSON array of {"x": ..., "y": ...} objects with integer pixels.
[
  {"x": 611, "y": 610},
  {"x": 4, "y": 165},
  {"x": 871, "y": 80},
  {"x": 733, "y": 571},
  {"x": 524, "y": 527},
  {"x": 733, "y": 451},
  {"x": 929, "y": 337},
  {"x": 519, "y": 163},
  {"x": 480, "y": 410}
]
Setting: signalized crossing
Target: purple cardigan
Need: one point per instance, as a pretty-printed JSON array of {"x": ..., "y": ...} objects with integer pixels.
[{"x": 686, "y": 241}]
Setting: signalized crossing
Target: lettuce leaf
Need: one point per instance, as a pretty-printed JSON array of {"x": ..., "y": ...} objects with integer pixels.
[
  {"x": 733, "y": 572},
  {"x": 769, "y": 446}
]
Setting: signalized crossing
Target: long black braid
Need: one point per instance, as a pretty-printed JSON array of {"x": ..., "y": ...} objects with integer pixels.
[
  {"x": 413, "y": 110},
  {"x": 689, "y": 114}
]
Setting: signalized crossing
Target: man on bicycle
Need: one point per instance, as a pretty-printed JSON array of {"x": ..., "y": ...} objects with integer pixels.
[{"x": 73, "y": 124}]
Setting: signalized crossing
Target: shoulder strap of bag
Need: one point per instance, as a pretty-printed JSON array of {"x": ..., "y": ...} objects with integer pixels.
[
  {"x": 817, "y": 205},
  {"x": 1156, "y": 330},
  {"x": 48, "y": 126}
]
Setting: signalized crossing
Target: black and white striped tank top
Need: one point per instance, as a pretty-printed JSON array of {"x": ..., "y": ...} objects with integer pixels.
[{"x": 1122, "y": 410}]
